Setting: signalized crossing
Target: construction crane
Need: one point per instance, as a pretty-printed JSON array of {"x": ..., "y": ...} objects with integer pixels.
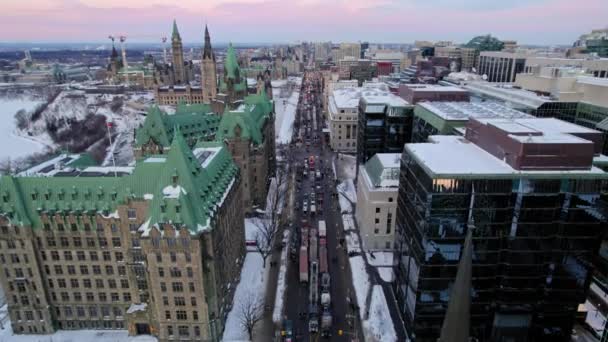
[
  {"x": 164, "y": 40},
  {"x": 124, "y": 58}
]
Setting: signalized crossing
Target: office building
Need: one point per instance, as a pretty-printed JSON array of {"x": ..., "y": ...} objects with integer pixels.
[
  {"x": 527, "y": 188},
  {"x": 499, "y": 66},
  {"x": 377, "y": 190},
  {"x": 150, "y": 248},
  {"x": 450, "y": 118},
  {"x": 414, "y": 93},
  {"x": 385, "y": 124}
]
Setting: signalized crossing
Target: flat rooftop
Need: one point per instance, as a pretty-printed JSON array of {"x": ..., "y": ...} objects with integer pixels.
[
  {"x": 383, "y": 97},
  {"x": 349, "y": 97},
  {"x": 458, "y": 111},
  {"x": 506, "y": 92},
  {"x": 547, "y": 126},
  {"x": 455, "y": 157},
  {"x": 421, "y": 87}
]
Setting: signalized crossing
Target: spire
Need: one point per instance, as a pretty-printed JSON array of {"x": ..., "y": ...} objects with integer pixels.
[
  {"x": 456, "y": 322},
  {"x": 207, "y": 50},
  {"x": 114, "y": 52},
  {"x": 231, "y": 65},
  {"x": 175, "y": 35}
]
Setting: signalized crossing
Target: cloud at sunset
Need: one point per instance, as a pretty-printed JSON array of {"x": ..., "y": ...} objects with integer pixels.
[{"x": 551, "y": 21}]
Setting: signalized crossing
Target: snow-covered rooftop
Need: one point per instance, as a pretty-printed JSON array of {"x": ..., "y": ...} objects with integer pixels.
[
  {"x": 547, "y": 126},
  {"x": 348, "y": 97},
  {"x": 507, "y": 92},
  {"x": 383, "y": 97},
  {"x": 206, "y": 154},
  {"x": 453, "y": 156},
  {"x": 458, "y": 111},
  {"x": 433, "y": 87}
]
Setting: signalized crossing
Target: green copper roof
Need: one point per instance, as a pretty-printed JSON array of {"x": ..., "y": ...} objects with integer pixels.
[
  {"x": 249, "y": 117},
  {"x": 383, "y": 169},
  {"x": 194, "y": 121},
  {"x": 183, "y": 188},
  {"x": 231, "y": 65},
  {"x": 175, "y": 34}
]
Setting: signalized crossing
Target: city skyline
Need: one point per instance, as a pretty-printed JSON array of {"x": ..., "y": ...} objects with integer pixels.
[{"x": 394, "y": 21}]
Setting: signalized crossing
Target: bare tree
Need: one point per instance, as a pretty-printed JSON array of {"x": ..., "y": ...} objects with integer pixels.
[
  {"x": 252, "y": 311},
  {"x": 268, "y": 225}
]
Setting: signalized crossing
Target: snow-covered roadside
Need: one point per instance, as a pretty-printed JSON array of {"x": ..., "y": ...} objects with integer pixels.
[
  {"x": 360, "y": 281},
  {"x": 252, "y": 286},
  {"x": 277, "y": 313},
  {"x": 6, "y": 335},
  {"x": 347, "y": 194},
  {"x": 285, "y": 105},
  {"x": 379, "y": 326}
]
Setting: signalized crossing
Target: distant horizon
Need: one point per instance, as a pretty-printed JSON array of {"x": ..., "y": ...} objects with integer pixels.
[{"x": 529, "y": 22}]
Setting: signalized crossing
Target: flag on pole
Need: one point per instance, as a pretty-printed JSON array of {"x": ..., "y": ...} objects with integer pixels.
[{"x": 110, "y": 124}]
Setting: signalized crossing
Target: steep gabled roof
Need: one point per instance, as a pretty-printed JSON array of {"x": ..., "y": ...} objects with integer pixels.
[
  {"x": 196, "y": 120},
  {"x": 249, "y": 117},
  {"x": 207, "y": 50},
  {"x": 231, "y": 65},
  {"x": 183, "y": 188}
]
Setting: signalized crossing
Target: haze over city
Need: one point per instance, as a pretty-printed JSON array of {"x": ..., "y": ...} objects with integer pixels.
[{"x": 543, "y": 22}]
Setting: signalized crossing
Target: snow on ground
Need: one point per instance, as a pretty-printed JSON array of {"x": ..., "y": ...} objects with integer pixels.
[
  {"x": 352, "y": 242},
  {"x": 277, "y": 313},
  {"x": 360, "y": 281},
  {"x": 251, "y": 230},
  {"x": 20, "y": 145},
  {"x": 349, "y": 222},
  {"x": 285, "y": 95},
  {"x": 347, "y": 194},
  {"x": 252, "y": 285},
  {"x": 386, "y": 273},
  {"x": 6, "y": 335},
  {"x": 379, "y": 326},
  {"x": 595, "y": 319},
  {"x": 346, "y": 166},
  {"x": 380, "y": 258}
]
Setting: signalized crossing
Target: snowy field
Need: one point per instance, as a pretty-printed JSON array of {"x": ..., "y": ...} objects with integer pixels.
[
  {"x": 285, "y": 95},
  {"x": 14, "y": 145},
  {"x": 252, "y": 286},
  {"x": 379, "y": 326}
]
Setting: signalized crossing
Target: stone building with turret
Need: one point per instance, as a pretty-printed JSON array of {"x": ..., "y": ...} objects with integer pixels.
[{"x": 151, "y": 248}]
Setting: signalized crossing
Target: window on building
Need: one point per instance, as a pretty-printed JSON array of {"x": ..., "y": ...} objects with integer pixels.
[
  {"x": 179, "y": 301},
  {"x": 183, "y": 331},
  {"x": 181, "y": 315},
  {"x": 131, "y": 214}
]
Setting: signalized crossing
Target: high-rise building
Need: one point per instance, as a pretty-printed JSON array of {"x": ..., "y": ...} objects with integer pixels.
[
  {"x": 208, "y": 70},
  {"x": 385, "y": 124},
  {"x": 149, "y": 248},
  {"x": 177, "y": 52},
  {"x": 528, "y": 188}
]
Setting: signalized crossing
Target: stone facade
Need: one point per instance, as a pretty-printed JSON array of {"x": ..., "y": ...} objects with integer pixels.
[{"x": 127, "y": 252}]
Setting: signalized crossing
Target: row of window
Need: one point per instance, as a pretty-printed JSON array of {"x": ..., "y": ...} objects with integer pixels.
[
  {"x": 177, "y": 286},
  {"x": 179, "y": 301},
  {"x": 81, "y": 256},
  {"x": 91, "y": 297},
  {"x": 90, "y": 311},
  {"x": 88, "y": 283},
  {"x": 90, "y": 242},
  {"x": 15, "y": 259},
  {"x": 176, "y": 272}
]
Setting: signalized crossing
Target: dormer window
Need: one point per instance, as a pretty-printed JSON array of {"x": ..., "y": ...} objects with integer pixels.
[{"x": 177, "y": 208}]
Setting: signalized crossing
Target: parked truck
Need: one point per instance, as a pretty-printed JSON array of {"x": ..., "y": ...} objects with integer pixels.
[
  {"x": 303, "y": 264},
  {"x": 326, "y": 322}
]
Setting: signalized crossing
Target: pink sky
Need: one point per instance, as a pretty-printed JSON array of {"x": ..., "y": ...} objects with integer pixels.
[{"x": 528, "y": 21}]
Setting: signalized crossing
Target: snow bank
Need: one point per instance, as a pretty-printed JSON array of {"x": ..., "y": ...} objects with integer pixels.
[
  {"x": 171, "y": 191},
  {"x": 360, "y": 281},
  {"x": 6, "y": 335},
  {"x": 347, "y": 194},
  {"x": 380, "y": 258},
  {"x": 277, "y": 313},
  {"x": 349, "y": 222},
  {"x": 285, "y": 105},
  {"x": 352, "y": 243},
  {"x": 386, "y": 273},
  {"x": 346, "y": 166},
  {"x": 379, "y": 326},
  {"x": 252, "y": 284}
]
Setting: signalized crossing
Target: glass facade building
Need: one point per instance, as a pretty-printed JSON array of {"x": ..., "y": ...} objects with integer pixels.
[{"x": 535, "y": 235}]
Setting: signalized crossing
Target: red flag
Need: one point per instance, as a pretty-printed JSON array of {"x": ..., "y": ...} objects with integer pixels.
[{"x": 109, "y": 124}]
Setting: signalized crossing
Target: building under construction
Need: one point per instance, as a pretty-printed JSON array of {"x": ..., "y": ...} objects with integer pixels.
[{"x": 529, "y": 188}]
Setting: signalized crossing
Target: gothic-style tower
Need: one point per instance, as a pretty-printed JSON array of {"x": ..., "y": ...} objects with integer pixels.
[
  {"x": 208, "y": 70},
  {"x": 178, "y": 56}
]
